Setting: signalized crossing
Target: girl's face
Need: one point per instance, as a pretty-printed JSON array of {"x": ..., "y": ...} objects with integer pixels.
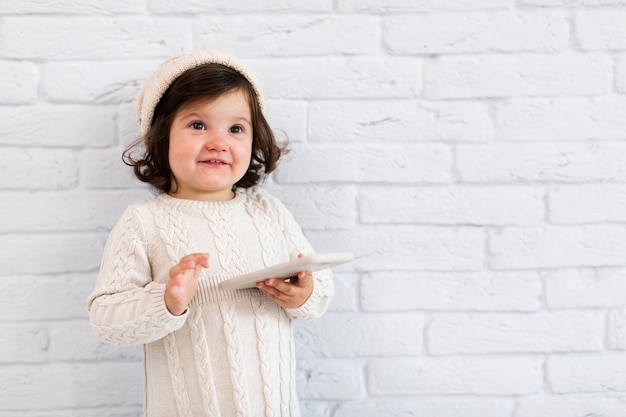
[{"x": 210, "y": 147}]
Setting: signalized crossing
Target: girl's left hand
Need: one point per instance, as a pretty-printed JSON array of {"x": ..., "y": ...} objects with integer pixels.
[{"x": 289, "y": 294}]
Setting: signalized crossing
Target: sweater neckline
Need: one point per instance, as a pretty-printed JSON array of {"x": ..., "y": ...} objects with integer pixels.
[{"x": 199, "y": 204}]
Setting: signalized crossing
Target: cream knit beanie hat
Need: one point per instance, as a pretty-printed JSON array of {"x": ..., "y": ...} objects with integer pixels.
[{"x": 168, "y": 71}]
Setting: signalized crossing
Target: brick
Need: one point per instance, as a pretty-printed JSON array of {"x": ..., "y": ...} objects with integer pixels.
[
  {"x": 56, "y": 297},
  {"x": 549, "y": 247},
  {"x": 347, "y": 335},
  {"x": 72, "y": 7},
  {"x": 345, "y": 299},
  {"x": 517, "y": 375},
  {"x": 108, "y": 411},
  {"x": 570, "y": 405},
  {"x": 406, "y": 248},
  {"x": 587, "y": 374},
  {"x": 316, "y": 408},
  {"x": 100, "y": 37},
  {"x": 320, "y": 208},
  {"x": 20, "y": 83},
  {"x": 24, "y": 342},
  {"x": 446, "y": 291},
  {"x": 425, "y": 163},
  {"x": 572, "y": 3},
  {"x": 338, "y": 78},
  {"x": 477, "y": 32},
  {"x": 105, "y": 170},
  {"x": 616, "y": 338},
  {"x": 389, "y": 121},
  {"x": 50, "y": 253},
  {"x": 38, "y": 169},
  {"x": 335, "y": 379},
  {"x": 600, "y": 29},
  {"x": 66, "y": 125},
  {"x": 620, "y": 75},
  {"x": 127, "y": 126},
  {"x": 247, "y": 6},
  {"x": 585, "y": 288},
  {"x": 288, "y": 119},
  {"x": 108, "y": 82},
  {"x": 75, "y": 340},
  {"x": 595, "y": 203},
  {"x": 449, "y": 407},
  {"x": 519, "y": 75},
  {"x": 543, "y": 163},
  {"x": 578, "y": 331},
  {"x": 67, "y": 211},
  {"x": 395, "y": 6},
  {"x": 288, "y": 35},
  {"x": 571, "y": 119},
  {"x": 39, "y": 387},
  {"x": 452, "y": 205}
]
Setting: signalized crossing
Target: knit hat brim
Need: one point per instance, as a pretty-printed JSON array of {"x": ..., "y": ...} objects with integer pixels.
[{"x": 152, "y": 91}]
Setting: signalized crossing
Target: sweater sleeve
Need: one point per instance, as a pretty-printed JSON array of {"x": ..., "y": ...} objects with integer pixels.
[
  {"x": 318, "y": 302},
  {"x": 127, "y": 306},
  {"x": 324, "y": 288}
]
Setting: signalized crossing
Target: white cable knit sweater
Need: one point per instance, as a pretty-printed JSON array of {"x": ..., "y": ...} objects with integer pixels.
[{"x": 232, "y": 353}]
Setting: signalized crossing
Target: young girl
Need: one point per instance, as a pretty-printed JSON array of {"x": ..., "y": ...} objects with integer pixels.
[{"x": 207, "y": 352}]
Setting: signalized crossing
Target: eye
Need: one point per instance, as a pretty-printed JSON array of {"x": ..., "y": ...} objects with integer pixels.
[
  {"x": 197, "y": 125},
  {"x": 236, "y": 129}
]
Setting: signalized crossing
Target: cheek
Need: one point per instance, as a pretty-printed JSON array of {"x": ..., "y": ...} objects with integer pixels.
[
  {"x": 182, "y": 148},
  {"x": 176, "y": 157},
  {"x": 245, "y": 158},
  {"x": 245, "y": 150}
]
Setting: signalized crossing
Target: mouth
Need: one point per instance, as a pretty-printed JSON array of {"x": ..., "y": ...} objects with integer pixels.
[{"x": 214, "y": 162}]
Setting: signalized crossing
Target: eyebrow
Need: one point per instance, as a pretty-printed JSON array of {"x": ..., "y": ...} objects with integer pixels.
[
  {"x": 245, "y": 119},
  {"x": 190, "y": 113}
]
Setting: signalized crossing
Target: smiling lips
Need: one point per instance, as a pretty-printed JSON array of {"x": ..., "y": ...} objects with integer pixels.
[{"x": 213, "y": 162}]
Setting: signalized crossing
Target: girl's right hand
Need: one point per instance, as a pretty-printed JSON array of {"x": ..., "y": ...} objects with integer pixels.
[{"x": 183, "y": 282}]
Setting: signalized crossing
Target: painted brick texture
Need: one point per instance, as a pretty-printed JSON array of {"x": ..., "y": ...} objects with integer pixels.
[{"x": 471, "y": 154}]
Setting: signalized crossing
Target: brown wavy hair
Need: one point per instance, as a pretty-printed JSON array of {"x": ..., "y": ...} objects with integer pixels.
[{"x": 204, "y": 82}]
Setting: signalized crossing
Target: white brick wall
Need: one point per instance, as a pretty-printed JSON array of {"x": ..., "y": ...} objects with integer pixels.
[{"x": 471, "y": 154}]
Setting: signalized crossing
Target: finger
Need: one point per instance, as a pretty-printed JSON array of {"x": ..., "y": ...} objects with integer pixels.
[
  {"x": 281, "y": 286},
  {"x": 274, "y": 298},
  {"x": 193, "y": 261},
  {"x": 179, "y": 269},
  {"x": 197, "y": 258},
  {"x": 202, "y": 259},
  {"x": 273, "y": 292},
  {"x": 304, "y": 277}
]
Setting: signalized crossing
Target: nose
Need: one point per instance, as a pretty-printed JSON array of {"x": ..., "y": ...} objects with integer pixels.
[{"x": 216, "y": 142}]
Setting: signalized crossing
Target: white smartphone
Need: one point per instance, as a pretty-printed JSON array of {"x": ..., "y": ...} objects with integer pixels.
[{"x": 289, "y": 269}]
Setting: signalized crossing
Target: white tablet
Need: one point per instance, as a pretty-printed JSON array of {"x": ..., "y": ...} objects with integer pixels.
[{"x": 289, "y": 269}]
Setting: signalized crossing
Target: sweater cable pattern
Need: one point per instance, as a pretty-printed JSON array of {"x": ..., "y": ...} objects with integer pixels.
[
  {"x": 205, "y": 372},
  {"x": 259, "y": 311},
  {"x": 234, "y": 358}
]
